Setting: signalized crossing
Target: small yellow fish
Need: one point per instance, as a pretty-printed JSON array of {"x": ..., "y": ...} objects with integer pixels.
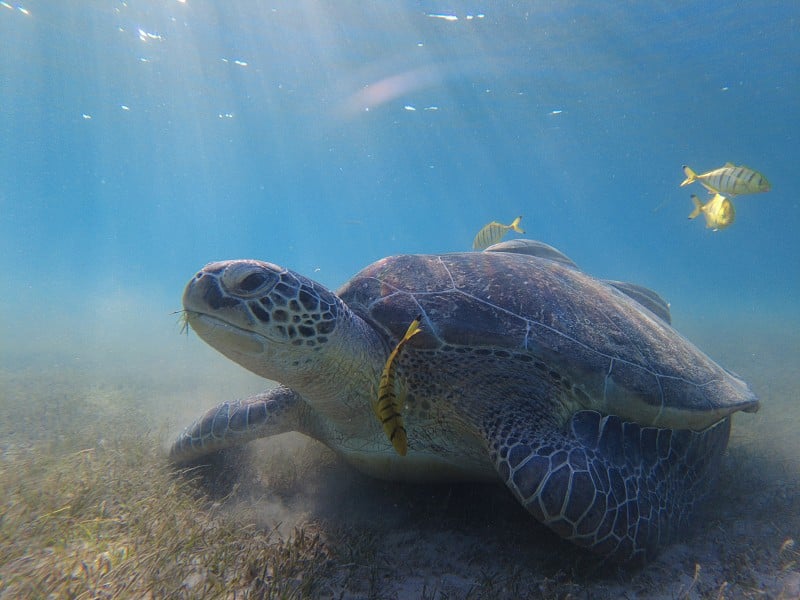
[
  {"x": 388, "y": 407},
  {"x": 718, "y": 211},
  {"x": 493, "y": 233},
  {"x": 729, "y": 180}
]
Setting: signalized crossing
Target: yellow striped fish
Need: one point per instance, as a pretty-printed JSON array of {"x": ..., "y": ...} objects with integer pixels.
[
  {"x": 493, "y": 233},
  {"x": 718, "y": 211},
  {"x": 388, "y": 409},
  {"x": 729, "y": 180}
]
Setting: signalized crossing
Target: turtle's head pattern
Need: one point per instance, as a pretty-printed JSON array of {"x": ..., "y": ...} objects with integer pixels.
[
  {"x": 287, "y": 328},
  {"x": 250, "y": 310}
]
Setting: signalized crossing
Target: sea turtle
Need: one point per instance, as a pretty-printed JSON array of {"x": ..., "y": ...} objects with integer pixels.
[{"x": 602, "y": 420}]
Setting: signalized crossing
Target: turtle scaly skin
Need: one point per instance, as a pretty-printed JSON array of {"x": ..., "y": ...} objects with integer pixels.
[{"x": 575, "y": 392}]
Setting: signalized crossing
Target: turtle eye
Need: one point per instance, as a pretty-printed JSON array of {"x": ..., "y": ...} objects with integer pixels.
[
  {"x": 252, "y": 282},
  {"x": 247, "y": 279}
]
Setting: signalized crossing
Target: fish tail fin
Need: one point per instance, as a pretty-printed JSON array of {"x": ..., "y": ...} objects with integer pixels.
[
  {"x": 698, "y": 207},
  {"x": 515, "y": 225},
  {"x": 412, "y": 329},
  {"x": 691, "y": 176}
]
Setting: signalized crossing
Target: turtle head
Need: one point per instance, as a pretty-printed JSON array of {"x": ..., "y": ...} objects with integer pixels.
[{"x": 268, "y": 319}]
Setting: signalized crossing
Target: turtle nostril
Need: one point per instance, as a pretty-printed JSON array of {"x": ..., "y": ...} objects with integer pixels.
[{"x": 252, "y": 282}]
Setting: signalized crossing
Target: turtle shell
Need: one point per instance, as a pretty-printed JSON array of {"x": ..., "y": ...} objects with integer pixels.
[{"x": 610, "y": 341}]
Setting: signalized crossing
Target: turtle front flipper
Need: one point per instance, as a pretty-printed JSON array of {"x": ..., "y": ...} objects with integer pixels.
[
  {"x": 237, "y": 422},
  {"x": 617, "y": 488}
]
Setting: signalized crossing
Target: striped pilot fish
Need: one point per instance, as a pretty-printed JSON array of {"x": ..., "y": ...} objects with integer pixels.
[
  {"x": 493, "y": 233},
  {"x": 718, "y": 211},
  {"x": 729, "y": 180},
  {"x": 389, "y": 408}
]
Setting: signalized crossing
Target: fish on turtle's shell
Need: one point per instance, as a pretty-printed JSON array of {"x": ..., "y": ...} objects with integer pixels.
[{"x": 575, "y": 392}]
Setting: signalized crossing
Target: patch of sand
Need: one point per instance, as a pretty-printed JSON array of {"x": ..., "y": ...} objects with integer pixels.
[{"x": 384, "y": 540}]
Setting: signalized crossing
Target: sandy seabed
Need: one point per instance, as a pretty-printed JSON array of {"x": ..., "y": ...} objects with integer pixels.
[{"x": 90, "y": 507}]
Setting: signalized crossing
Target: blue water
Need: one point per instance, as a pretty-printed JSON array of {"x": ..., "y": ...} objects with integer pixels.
[
  {"x": 140, "y": 140},
  {"x": 134, "y": 148}
]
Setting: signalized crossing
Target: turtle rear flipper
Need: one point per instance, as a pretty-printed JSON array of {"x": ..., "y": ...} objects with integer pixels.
[
  {"x": 235, "y": 423},
  {"x": 617, "y": 488}
]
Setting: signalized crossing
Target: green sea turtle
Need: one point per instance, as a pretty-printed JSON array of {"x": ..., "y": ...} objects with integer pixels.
[{"x": 602, "y": 420}]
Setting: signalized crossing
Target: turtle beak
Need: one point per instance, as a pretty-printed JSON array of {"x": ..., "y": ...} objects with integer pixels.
[
  {"x": 204, "y": 294},
  {"x": 237, "y": 344},
  {"x": 220, "y": 318}
]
